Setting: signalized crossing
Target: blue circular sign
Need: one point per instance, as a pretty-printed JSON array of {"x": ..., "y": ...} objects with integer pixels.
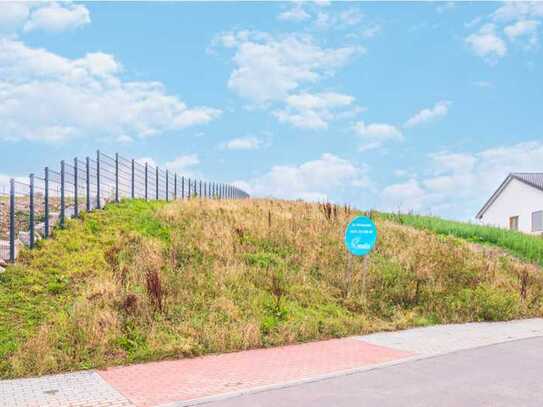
[{"x": 360, "y": 236}]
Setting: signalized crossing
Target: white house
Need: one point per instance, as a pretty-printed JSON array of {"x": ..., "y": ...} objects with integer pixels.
[{"x": 517, "y": 204}]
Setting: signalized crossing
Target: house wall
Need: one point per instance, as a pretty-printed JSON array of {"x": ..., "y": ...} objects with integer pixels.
[{"x": 516, "y": 199}]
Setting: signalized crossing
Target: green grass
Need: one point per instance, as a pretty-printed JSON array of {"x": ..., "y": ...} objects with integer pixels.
[
  {"x": 46, "y": 281},
  {"x": 521, "y": 245},
  {"x": 145, "y": 281}
]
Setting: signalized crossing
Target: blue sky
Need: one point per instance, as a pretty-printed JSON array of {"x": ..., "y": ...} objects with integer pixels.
[{"x": 410, "y": 106}]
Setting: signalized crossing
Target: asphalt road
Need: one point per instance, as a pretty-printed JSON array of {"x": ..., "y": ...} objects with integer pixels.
[{"x": 507, "y": 374}]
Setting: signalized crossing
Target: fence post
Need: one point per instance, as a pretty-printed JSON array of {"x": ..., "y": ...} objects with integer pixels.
[
  {"x": 12, "y": 220},
  {"x": 62, "y": 204},
  {"x": 156, "y": 183},
  {"x": 132, "y": 194},
  {"x": 167, "y": 181},
  {"x": 182, "y": 187},
  {"x": 31, "y": 212},
  {"x": 200, "y": 189},
  {"x": 205, "y": 189},
  {"x": 76, "y": 200},
  {"x": 146, "y": 178},
  {"x": 117, "y": 177},
  {"x": 46, "y": 204},
  {"x": 98, "y": 179},
  {"x": 189, "y": 192},
  {"x": 175, "y": 186},
  {"x": 87, "y": 183}
]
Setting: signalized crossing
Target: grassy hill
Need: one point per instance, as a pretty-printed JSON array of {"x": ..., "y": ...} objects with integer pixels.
[
  {"x": 521, "y": 245},
  {"x": 150, "y": 280}
]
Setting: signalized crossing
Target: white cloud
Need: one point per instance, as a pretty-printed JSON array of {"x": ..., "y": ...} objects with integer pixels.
[
  {"x": 520, "y": 21},
  {"x": 307, "y": 119},
  {"x": 338, "y": 20},
  {"x": 460, "y": 183},
  {"x": 183, "y": 164},
  {"x": 440, "y": 109},
  {"x": 268, "y": 68},
  {"x": 295, "y": 13},
  {"x": 243, "y": 143},
  {"x": 375, "y": 135},
  {"x": 523, "y": 28},
  {"x": 313, "y": 180},
  {"x": 314, "y": 110},
  {"x": 52, "y": 16},
  {"x": 58, "y": 17},
  {"x": 351, "y": 16},
  {"x": 517, "y": 10},
  {"x": 150, "y": 161},
  {"x": 90, "y": 98},
  {"x": 13, "y": 15},
  {"x": 403, "y": 196},
  {"x": 487, "y": 44}
]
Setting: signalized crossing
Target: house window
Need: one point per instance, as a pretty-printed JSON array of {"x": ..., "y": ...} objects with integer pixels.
[
  {"x": 537, "y": 221},
  {"x": 513, "y": 223}
]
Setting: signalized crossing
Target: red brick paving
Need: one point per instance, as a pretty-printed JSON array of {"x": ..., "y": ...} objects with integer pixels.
[{"x": 159, "y": 383}]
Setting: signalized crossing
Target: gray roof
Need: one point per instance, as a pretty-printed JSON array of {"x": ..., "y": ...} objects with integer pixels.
[{"x": 534, "y": 179}]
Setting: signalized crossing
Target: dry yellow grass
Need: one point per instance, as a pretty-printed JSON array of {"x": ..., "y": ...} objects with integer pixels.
[{"x": 197, "y": 277}]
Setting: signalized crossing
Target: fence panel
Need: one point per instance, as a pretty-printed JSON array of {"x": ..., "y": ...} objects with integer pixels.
[{"x": 31, "y": 208}]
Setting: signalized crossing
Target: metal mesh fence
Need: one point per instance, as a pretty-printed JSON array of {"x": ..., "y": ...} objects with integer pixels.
[{"x": 30, "y": 209}]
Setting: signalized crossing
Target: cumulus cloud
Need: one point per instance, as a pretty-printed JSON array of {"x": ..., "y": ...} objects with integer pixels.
[
  {"x": 31, "y": 16},
  {"x": 523, "y": 28},
  {"x": 375, "y": 135},
  {"x": 315, "y": 110},
  {"x": 517, "y": 10},
  {"x": 269, "y": 68},
  {"x": 57, "y": 17},
  {"x": 313, "y": 180},
  {"x": 183, "y": 164},
  {"x": 440, "y": 109},
  {"x": 243, "y": 143},
  {"x": 296, "y": 13},
  {"x": 487, "y": 44},
  {"x": 460, "y": 183},
  {"x": 13, "y": 15},
  {"x": 340, "y": 20},
  {"x": 402, "y": 196},
  {"x": 520, "y": 22},
  {"x": 90, "y": 98}
]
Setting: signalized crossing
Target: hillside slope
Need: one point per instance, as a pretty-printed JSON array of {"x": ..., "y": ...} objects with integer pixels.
[{"x": 149, "y": 280}]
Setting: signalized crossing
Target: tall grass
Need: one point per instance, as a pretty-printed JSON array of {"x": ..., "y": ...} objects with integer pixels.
[
  {"x": 521, "y": 245},
  {"x": 146, "y": 281}
]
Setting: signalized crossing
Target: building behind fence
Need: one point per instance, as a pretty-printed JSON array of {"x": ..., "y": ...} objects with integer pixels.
[{"x": 29, "y": 210}]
